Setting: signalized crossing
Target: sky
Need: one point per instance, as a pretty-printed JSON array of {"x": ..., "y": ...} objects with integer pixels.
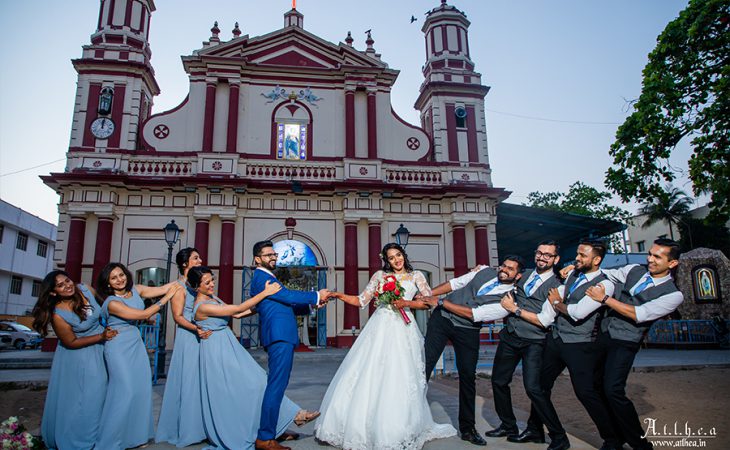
[{"x": 560, "y": 74}]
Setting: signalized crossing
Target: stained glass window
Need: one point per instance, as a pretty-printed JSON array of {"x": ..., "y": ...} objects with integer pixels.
[{"x": 291, "y": 141}]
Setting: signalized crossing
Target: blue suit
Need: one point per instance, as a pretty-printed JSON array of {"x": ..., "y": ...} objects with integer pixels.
[{"x": 279, "y": 337}]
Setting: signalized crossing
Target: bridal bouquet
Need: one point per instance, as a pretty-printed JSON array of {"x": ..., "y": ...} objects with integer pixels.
[
  {"x": 14, "y": 436},
  {"x": 390, "y": 290}
]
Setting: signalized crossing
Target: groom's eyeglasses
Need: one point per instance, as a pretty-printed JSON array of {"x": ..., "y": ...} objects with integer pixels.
[{"x": 270, "y": 255}]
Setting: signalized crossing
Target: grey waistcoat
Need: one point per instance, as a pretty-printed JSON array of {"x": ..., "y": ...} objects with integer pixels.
[
  {"x": 585, "y": 330},
  {"x": 623, "y": 328},
  {"x": 533, "y": 303},
  {"x": 467, "y": 296}
]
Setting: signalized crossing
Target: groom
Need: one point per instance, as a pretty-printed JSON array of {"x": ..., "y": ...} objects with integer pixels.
[{"x": 279, "y": 337}]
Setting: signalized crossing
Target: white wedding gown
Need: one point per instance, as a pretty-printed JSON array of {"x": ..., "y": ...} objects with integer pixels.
[{"x": 377, "y": 398}]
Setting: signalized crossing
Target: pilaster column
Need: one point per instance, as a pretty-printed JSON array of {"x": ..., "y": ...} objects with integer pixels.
[
  {"x": 349, "y": 124},
  {"x": 374, "y": 247},
  {"x": 459, "y": 242},
  {"x": 232, "y": 133},
  {"x": 481, "y": 241},
  {"x": 352, "y": 315},
  {"x": 372, "y": 126},
  {"x": 201, "y": 237},
  {"x": 102, "y": 251},
  {"x": 225, "y": 270},
  {"x": 75, "y": 247},
  {"x": 208, "y": 119}
]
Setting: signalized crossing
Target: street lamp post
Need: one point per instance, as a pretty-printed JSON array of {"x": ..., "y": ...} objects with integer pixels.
[
  {"x": 402, "y": 235},
  {"x": 172, "y": 233}
]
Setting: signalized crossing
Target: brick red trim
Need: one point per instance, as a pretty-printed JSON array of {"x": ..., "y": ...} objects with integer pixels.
[
  {"x": 128, "y": 14},
  {"x": 481, "y": 246},
  {"x": 232, "y": 130},
  {"x": 451, "y": 139},
  {"x": 351, "y": 315},
  {"x": 208, "y": 119},
  {"x": 444, "y": 38},
  {"x": 349, "y": 124},
  {"x": 471, "y": 134},
  {"x": 110, "y": 16},
  {"x": 92, "y": 105},
  {"x": 202, "y": 227},
  {"x": 225, "y": 273},
  {"x": 459, "y": 243},
  {"x": 101, "y": 13},
  {"x": 372, "y": 126},
  {"x": 374, "y": 261},
  {"x": 75, "y": 247},
  {"x": 102, "y": 250},
  {"x": 117, "y": 112}
]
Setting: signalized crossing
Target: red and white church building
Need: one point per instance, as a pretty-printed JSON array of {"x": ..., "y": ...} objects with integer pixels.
[{"x": 284, "y": 136}]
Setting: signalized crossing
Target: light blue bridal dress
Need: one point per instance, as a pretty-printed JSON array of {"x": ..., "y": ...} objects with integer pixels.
[
  {"x": 77, "y": 386},
  {"x": 181, "y": 417},
  {"x": 126, "y": 421},
  {"x": 232, "y": 388}
]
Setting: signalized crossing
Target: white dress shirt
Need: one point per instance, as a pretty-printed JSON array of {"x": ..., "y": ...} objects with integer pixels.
[
  {"x": 654, "y": 309},
  {"x": 484, "y": 313},
  {"x": 586, "y": 305}
]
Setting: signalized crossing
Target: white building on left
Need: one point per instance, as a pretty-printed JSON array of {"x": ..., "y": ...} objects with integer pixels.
[{"x": 27, "y": 244}]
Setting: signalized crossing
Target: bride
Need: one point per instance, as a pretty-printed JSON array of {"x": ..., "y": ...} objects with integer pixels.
[{"x": 377, "y": 398}]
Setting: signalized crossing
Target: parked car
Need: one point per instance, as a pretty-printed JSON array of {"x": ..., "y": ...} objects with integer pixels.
[
  {"x": 6, "y": 341},
  {"x": 21, "y": 335}
]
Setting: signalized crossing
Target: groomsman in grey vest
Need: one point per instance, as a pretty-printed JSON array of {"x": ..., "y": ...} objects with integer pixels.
[
  {"x": 645, "y": 295},
  {"x": 472, "y": 290},
  {"x": 575, "y": 318}
]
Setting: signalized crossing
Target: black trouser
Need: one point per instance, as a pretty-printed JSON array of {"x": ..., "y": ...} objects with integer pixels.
[
  {"x": 466, "y": 348},
  {"x": 618, "y": 358},
  {"x": 582, "y": 360},
  {"x": 511, "y": 350}
]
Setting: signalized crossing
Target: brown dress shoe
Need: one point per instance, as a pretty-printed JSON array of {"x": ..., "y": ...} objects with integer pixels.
[{"x": 271, "y": 444}]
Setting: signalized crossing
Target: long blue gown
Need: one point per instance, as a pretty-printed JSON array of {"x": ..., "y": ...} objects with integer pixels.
[
  {"x": 127, "y": 417},
  {"x": 77, "y": 386},
  {"x": 232, "y": 388},
  {"x": 181, "y": 417}
]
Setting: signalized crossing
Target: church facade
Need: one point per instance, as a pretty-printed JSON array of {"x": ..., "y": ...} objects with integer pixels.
[{"x": 283, "y": 136}]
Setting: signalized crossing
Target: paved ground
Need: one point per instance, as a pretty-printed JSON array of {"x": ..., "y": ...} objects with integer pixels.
[{"x": 313, "y": 371}]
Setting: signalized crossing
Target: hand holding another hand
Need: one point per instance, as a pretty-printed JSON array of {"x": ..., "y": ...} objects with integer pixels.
[{"x": 204, "y": 334}]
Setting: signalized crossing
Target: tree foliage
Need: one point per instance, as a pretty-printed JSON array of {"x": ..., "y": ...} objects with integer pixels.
[
  {"x": 584, "y": 200},
  {"x": 696, "y": 233},
  {"x": 685, "y": 93},
  {"x": 671, "y": 206}
]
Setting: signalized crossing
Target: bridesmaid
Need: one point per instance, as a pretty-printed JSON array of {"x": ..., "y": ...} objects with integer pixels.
[
  {"x": 78, "y": 381},
  {"x": 181, "y": 417},
  {"x": 232, "y": 383},
  {"x": 126, "y": 420}
]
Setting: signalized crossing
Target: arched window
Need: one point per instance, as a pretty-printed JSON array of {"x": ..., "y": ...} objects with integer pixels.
[{"x": 292, "y": 124}]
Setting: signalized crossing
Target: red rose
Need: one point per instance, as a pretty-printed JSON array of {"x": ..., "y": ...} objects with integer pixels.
[
  {"x": 390, "y": 286},
  {"x": 397, "y": 292}
]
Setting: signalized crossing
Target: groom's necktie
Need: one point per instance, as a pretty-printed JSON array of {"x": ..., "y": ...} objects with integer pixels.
[
  {"x": 574, "y": 286},
  {"x": 488, "y": 287},
  {"x": 644, "y": 285},
  {"x": 531, "y": 284}
]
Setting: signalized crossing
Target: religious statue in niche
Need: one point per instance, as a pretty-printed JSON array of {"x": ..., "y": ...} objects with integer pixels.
[
  {"x": 705, "y": 285},
  {"x": 291, "y": 141}
]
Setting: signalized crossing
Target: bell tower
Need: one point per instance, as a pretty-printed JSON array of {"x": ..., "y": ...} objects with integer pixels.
[
  {"x": 451, "y": 97},
  {"x": 116, "y": 82}
]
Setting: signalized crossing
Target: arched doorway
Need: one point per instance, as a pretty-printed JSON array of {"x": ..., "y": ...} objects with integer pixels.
[{"x": 297, "y": 268}]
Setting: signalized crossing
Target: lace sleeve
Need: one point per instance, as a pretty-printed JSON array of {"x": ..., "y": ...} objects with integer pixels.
[
  {"x": 367, "y": 295},
  {"x": 422, "y": 284}
]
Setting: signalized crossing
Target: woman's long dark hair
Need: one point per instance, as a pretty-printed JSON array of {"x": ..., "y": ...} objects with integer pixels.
[
  {"x": 48, "y": 299},
  {"x": 384, "y": 255},
  {"x": 195, "y": 275},
  {"x": 103, "y": 289},
  {"x": 183, "y": 256}
]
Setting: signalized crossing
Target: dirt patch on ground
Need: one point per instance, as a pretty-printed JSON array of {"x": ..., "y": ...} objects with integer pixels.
[
  {"x": 693, "y": 399},
  {"x": 24, "y": 400}
]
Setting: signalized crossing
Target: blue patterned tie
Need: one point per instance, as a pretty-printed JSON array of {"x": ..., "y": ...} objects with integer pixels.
[
  {"x": 531, "y": 284},
  {"x": 643, "y": 285},
  {"x": 576, "y": 283},
  {"x": 485, "y": 289}
]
